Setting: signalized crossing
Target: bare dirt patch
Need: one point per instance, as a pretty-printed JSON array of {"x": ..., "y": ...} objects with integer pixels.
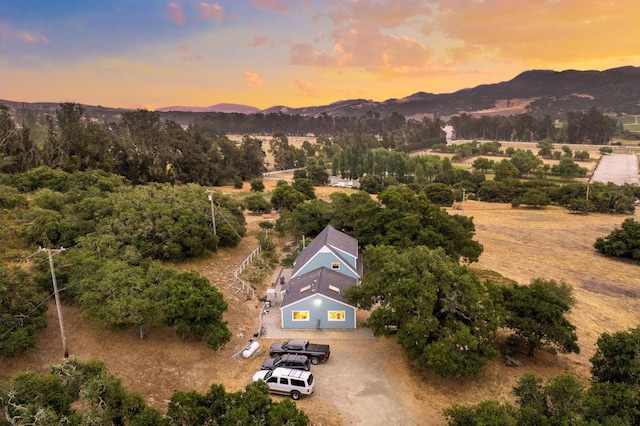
[{"x": 371, "y": 382}]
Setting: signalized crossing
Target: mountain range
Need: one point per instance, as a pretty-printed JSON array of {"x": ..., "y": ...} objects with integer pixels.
[{"x": 539, "y": 92}]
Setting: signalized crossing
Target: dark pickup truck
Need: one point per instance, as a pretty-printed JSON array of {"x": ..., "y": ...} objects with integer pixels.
[{"x": 313, "y": 351}]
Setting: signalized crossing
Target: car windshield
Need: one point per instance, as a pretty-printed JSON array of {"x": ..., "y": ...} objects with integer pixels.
[
  {"x": 310, "y": 379},
  {"x": 268, "y": 375}
]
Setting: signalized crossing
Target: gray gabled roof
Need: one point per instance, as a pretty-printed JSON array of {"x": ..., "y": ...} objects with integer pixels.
[
  {"x": 335, "y": 240},
  {"x": 323, "y": 281}
]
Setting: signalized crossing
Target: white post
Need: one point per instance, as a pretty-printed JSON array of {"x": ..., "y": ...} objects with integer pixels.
[{"x": 213, "y": 216}]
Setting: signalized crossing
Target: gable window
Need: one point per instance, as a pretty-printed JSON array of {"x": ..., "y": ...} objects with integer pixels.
[
  {"x": 336, "y": 315},
  {"x": 300, "y": 315},
  {"x": 335, "y": 265}
]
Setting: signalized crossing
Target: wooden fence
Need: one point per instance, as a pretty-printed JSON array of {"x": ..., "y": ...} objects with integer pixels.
[{"x": 239, "y": 282}]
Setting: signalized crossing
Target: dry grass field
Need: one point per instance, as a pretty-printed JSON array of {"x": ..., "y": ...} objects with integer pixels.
[{"x": 520, "y": 244}]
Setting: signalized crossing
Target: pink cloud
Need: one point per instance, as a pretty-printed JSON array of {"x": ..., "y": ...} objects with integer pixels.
[
  {"x": 211, "y": 12},
  {"x": 8, "y": 32},
  {"x": 279, "y": 6},
  {"x": 261, "y": 40},
  {"x": 252, "y": 79},
  {"x": 308, "y": 89},
  {"x": 381, "y": 13},
  {"x": 176, "y": 14},
  {"x": 189, "y": 56},
  {"x": 38, "y": 38},
  {"x": 361, "y": 45}
]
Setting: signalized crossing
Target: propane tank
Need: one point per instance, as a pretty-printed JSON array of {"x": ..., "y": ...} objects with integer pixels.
[{"x": 250, "y": 349}]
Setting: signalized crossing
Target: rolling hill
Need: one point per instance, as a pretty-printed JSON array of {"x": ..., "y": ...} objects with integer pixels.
[{"x": 539, "y": 92}]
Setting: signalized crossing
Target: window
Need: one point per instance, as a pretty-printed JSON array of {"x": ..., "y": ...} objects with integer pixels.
[
  {"x": 284, "y": 381},
  {"x": 335, "y": 265},
  {"x": 300, "y": 315},
  {"x": 295, "y": 382},
  {"x": 336, "y": 315},
  {"x": 272, "y": 380}
]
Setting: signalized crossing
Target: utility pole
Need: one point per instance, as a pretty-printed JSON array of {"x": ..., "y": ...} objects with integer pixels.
[
  {"x": 213, "y": 216},
  {"x": 57, "y": 296},
  {"x": 464, "y": 197}
]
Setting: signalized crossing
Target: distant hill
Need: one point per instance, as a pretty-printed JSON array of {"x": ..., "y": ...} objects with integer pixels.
[
  {"x": 94, "y": 112},
  {"x": 227, "y": 108},
  {"x": 539, "y": 92}
]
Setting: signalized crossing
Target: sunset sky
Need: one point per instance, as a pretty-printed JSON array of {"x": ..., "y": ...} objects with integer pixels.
[{"x": 156, "y": 53}]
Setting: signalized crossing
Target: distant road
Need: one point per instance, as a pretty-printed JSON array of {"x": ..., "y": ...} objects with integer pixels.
[{"x": 617, "y": 168}]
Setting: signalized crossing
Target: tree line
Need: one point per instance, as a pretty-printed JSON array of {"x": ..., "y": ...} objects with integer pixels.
[
  {"x": 590, "y": 127},
  {"x": 140, "y": 147},
  {"x": 84, "y": 393},
  {"x": 613, "y": 397}
]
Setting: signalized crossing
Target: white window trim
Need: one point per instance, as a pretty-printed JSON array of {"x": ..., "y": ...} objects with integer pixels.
[
  {"x": 344, "y": 316},
  {"x": 301, "y": 319}
]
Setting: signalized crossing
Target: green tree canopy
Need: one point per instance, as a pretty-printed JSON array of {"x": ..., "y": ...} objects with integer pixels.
[
  {"x": 286, "y": 197},
  {"x": 525, "y": 161},
  {"x": 134, "y": 292},
  {"x": 567, "y": 168},
  {"x": 617, "y": 359},
  {"x": 22, "y": 312},
  {"x": 534, "y": 198},
  {"x": 621, "y": 242},
  {"x": 406, "y": 219},
  {"x": 74, "y": 393},
  {"x": 536, "y": 313},
  {"x": 441, "y": 313}
]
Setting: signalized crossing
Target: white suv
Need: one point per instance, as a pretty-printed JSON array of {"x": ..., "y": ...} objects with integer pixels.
[{"x": 286, "y": 381}]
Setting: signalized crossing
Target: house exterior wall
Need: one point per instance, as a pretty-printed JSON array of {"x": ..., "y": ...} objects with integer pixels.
[
  {"x": 350, "y": 258},
  {"x": 327, "y": 259},
  {"x": 332, "y": 314}
]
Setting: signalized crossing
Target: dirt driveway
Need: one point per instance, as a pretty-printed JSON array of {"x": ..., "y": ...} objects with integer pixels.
[{"x": 353, "y": 387}]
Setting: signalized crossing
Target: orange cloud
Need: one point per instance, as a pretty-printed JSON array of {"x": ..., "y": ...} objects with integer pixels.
[
  {"x": 176, "y": 14},
  {"x": 8, "y": 32},
  {"x": 361, "y": 45},
  {"x": 382, "y": 13},
  {"x": 252, "y": 79},
  {"x": 279, "y": 6},
  {"x": 261, "y": 40},
  {"x": 543, "y": 31},
  {"x": 308, "y": 89},
  {"x": 38, "y": 38},
  {"x": 211, "y": 11}
]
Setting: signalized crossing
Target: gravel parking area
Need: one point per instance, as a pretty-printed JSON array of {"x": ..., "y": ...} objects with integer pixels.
[
  {"x": 617, "y": 168},
  {"x": 354, "y": 387}
]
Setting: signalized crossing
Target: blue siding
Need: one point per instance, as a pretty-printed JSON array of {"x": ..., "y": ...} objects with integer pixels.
[
  {"x": 318, "y": 310},
  {"x": 326, "y": 260},
  {"x": 347, "y": 256}
]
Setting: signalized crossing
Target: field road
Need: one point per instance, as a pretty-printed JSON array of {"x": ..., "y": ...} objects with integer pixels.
[{"x": 617, "y": 168}]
